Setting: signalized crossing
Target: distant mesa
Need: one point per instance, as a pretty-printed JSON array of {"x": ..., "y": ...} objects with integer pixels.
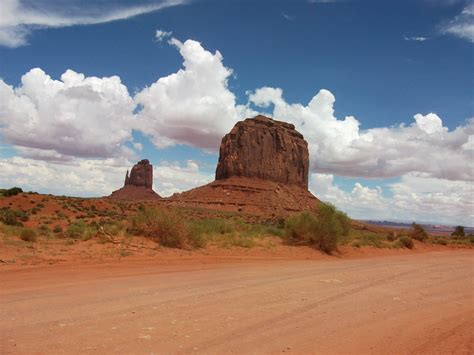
[
  {"x": 263, "y": 168},
  {"x": 138, "y": 184}
]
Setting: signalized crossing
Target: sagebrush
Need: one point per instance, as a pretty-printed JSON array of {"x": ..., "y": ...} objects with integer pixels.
[{"x": 321, "y": 229}]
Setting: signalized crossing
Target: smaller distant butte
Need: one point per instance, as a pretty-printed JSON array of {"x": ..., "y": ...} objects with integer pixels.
[{"x": 138, "y": 184}]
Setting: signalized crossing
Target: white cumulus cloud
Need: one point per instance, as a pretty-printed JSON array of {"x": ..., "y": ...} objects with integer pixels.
[
  {"x": 75, "y": 116},
  {"x": 414, "y": 198},
  {"x": 339, "y": 146},
  {"x": 94, "y": 177},
  {"x": 193, "y": 106}
]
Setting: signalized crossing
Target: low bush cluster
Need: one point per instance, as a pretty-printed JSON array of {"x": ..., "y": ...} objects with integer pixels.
[
  {"x": 458, "y": 231},
  {"x": 405, "y": 242},
  {"x": 321, "y": 229},
  {"x": 165, "y": 226},
  {"x": 10, "y": 192},
  {"x": 418, "y": 232},
  {"x": 80, "y": 230},
  {"x": 28, "y": 235},
  {"x": 12, "y": 217}
]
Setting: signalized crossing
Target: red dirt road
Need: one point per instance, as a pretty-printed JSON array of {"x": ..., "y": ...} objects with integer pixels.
[{"x": 420, "y": 303}]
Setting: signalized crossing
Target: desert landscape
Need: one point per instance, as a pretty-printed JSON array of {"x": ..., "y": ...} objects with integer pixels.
[
  {"x": 251, "y": 262},
  {"x": 236, "y": 177}
]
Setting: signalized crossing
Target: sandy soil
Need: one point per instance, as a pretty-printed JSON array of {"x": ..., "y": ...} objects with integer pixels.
[{"x": 405, "y": 303}]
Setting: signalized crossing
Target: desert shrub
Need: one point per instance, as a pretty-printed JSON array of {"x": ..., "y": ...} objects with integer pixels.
[
  {"x": 440, "y": 241},
  {"x": 10, "y": 192},
  {"x": 11, "y": 217},
  {"x": 8, "y": 217},
  {"x": 405, "y": 242},
  {"x": 212, "y": 226},
  {"x": 28, "y": 235},
  {"x": 57, "y": 229},
  {"x": 34, "y": 210},
  {"x": 418, "y": 232},
  {"x": 23, "y": 216},
  {"x": 391, "y": 236},
  {"x": 112, "y": 227},
  {"x": 321, "y": 229},
  {"x": 80, "y": 230},
  {"x": 365, "y": 238},
  {"x": 44, "y": 229},
  {"x": 458, "y": 231},
  {"x": 165, "y": 226},
  {"x": 230, "y": 232},
  {"x": 301, "y": 227}
]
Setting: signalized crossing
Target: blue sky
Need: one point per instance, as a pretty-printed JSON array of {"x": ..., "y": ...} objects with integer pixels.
[{"x": 382, "y": 61}]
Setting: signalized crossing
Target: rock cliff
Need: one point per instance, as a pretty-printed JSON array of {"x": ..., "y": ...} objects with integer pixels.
[
  {"x": 262, "y": 171},
  {"x": 138, "y": 184},
  {"x": 141, "y": 175},
  {"x": 267, "y": 149}
]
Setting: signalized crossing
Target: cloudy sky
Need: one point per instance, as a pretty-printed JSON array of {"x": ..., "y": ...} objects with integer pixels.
[{"x": 381, "y": 90}]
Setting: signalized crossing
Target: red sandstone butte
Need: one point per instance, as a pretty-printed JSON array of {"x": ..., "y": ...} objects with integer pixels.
[
  {"x": 265, "y": 149},
  {"x": 263, "y": 169},
  {"x": 139, "y": 184}
]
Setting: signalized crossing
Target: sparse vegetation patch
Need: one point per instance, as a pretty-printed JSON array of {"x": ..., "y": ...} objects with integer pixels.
[
  {"x": 10, "y": 192},
  {"x": 321, "y": 230},
  {"x": 418, "y": 232}
]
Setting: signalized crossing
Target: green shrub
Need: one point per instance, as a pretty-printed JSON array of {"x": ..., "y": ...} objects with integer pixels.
[
  {"x": 321, "y": 230},
  {"x": 229, "y": 233},
  {"x": 459, "y": 231},
  {"x": 44, "y": 229},
  {"x": 10, "y": 217},
  {"x": 113, "y": 227},
  {"x": 418, "y": 232},
  {"x": 80, "y": 230},
  {"x": 165, "y": 226},
  {"x": 392, "y": 236},
  {"x": 440, "y": 241},
  {"x": 28, "y": 235},
  {"x": 405, "y": 242},
  {"x": 57, "y": 229},
  {"x": 366, "y": 238},
  {"x": 212, "y": 226},
  {"x": 23, "y": 216},
  {"x": 10, "y": 192}
]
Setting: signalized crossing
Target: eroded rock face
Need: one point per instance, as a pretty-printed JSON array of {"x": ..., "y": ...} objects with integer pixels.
[
  {"x": 138, "y": 184},
  {"x": 263, "y": 148},
  {"x": 141, "y": 174}
]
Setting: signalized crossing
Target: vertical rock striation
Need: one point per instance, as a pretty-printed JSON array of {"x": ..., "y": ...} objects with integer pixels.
[
  {"x": 141, "y": 175},
  {"x": 266, "y": 149}
]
